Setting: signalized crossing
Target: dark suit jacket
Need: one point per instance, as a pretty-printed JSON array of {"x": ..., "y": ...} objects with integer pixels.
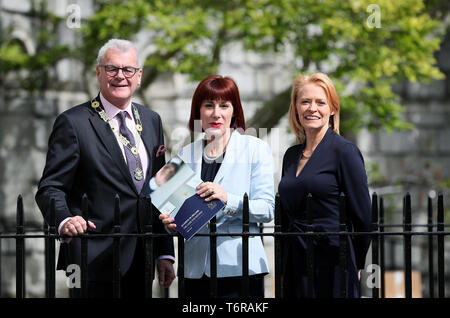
[{"x": 84, "y": 157}]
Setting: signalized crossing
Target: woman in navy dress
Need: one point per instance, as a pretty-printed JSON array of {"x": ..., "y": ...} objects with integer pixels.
[{"x": 324, "y": 165}]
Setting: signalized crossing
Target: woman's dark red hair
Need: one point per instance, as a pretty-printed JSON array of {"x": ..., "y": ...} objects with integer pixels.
[{"x": 216, "y": 87}]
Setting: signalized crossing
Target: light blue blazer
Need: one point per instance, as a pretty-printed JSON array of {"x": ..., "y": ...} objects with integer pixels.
[{"x": 246, "y": 168}]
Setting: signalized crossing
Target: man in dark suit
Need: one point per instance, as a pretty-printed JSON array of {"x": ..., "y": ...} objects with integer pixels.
[{"x": 107, "y": 146}]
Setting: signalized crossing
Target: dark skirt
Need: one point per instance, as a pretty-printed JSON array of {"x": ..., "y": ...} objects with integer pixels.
[{"x": 326, "y": 269}]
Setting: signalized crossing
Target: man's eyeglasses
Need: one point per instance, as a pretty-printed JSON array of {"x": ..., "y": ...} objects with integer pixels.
[{"x": 127, "y": 71}]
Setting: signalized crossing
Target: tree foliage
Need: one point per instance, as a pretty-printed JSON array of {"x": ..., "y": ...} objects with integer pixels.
[
  {"x": 364, "y": 61},
  {"x": 341, "y": 38},
  {"x": 38, "y": 66}
]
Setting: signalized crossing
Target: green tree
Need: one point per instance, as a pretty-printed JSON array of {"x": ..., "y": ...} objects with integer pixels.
[
  {"x": 365, "y": 49},
  {"x": 342, "y": 38},
  {"x": 363, "y": 59},
  {"x": 39, "y": 66}
]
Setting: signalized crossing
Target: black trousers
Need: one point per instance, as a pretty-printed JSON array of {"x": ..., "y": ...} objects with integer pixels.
[
  {"x": 132, "y": 284},
  {"x": 227, "y": 287}
]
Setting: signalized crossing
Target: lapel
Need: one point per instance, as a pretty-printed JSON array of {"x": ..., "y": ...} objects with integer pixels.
[
  {"x": 192, "y": 155},
  {"x": 148, "y": 137},
  {"x": 107, "y": 138},
  {"x": 316, "y": 155},
  {"x": 230, "y": 156}
]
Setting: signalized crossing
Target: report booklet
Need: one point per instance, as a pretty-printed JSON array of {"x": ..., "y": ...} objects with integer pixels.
[{"x": 173, "y": 191}]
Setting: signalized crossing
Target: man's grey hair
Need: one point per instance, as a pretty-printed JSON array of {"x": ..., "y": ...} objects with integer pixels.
[{"x": 119, "y": 45}]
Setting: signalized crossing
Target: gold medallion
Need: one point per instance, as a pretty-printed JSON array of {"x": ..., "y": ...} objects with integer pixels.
[
  {"x": 134, "y": 151},
  {"x": 139, "y": 127},
  {"x": 138, "y": 174},
  {"x": 95, "y": 104}
]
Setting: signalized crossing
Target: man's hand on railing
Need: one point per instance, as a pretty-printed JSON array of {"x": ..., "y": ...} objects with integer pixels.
[
  {"x": 166, "y": 273},
  {"x": 75, "y": 226}
]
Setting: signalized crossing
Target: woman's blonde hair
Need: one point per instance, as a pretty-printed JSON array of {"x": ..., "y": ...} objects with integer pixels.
[{"x": 323, "y": 81}]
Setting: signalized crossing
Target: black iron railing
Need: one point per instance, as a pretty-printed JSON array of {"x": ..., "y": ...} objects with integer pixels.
[{"x": 377, "y": 234}]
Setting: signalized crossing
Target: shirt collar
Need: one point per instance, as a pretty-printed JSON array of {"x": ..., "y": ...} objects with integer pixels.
[{"x": 112, "y": 110}]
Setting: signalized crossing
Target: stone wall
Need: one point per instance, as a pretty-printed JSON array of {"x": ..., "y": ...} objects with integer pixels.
[{"x": 415, "y": 161}]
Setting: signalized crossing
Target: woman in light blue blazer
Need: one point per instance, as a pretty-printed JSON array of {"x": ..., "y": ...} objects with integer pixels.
[{"x": 231, "y": 164}]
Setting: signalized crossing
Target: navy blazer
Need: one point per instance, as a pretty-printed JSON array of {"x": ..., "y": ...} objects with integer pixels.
[
  {"x": 335, "y": 167},
  {"x": 84, "y": 157}
]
